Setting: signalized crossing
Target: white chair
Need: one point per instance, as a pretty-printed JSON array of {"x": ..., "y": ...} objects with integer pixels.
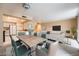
[{"x": 53, "y": 49}]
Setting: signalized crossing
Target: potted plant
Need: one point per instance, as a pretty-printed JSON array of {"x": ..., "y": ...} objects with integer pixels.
[{"x": 73, "y": 31}]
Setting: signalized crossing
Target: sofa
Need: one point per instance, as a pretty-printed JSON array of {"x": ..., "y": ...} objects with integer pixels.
[{"x": 56, "y": 35}]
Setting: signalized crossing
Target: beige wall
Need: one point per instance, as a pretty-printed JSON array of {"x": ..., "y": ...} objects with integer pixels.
[
  {"x": 1, "y": 31},
  {"x": 2, "y": 49},
  {"x": 20, "y": 26},
  {"x": 65, "y": 24},
  {"x": 78, "y": 29}
]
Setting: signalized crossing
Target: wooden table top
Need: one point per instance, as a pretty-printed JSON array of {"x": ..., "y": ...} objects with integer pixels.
[{"x": 31, "y": 40}]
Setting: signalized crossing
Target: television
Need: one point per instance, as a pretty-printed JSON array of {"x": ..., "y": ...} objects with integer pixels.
[{"x": 56, "y": 28}]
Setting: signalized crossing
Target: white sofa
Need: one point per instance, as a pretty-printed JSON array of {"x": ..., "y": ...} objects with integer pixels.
[{"x": 56, "y": 35}]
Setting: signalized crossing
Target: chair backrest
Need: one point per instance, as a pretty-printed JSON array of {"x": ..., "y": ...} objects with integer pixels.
[
  {"x": 21, "y": 33},
  {"x": 12, "y": 41},
  {"x": 53, "y": 48},
  {"x": 15, "y": 47},
  {"x": 35, "y": 34},
  {"x": 43, "y": 35}
]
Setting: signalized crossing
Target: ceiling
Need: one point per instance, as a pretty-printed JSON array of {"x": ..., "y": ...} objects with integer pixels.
[{"x": 41, "y": 12}]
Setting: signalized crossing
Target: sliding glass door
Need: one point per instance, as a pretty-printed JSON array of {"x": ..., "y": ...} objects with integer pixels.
[{"x": 13, "y": 29}]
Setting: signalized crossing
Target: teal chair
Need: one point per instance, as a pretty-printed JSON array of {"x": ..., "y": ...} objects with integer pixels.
[
  {"x": 20, "y": 48},
  {"x": 22, "y": 51},
  {"x": 43, "y": 35},
  {"x": 21, "y": 33},
  {"x": 18, "y": 42},
  {"x": 35, "y": 34}
]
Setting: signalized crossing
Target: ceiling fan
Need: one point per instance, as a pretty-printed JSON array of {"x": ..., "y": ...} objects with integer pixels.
[{"x": 26, "y": 5}]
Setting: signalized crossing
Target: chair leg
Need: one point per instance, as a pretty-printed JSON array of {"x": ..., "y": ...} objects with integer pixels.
[{"x": 12, "y": 52}]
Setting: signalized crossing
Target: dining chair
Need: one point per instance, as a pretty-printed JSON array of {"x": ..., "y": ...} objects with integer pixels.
[
  {"x": 53, "y": 48},
  {"x": 42, "y": 49},
  {"x": 21, "y": 33},
  {"x": 35, "y": 34},
  {"x": 21, "y": 49},
  {"x": 18, "y": 42},
  {"x": 43, "y": 35}
]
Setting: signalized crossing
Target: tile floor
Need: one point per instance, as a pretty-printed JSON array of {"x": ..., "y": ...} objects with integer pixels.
[{"x": 63, "y": 49}]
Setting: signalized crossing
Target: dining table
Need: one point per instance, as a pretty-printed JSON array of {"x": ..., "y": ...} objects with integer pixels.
[{"x": 31, "y": 40}]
